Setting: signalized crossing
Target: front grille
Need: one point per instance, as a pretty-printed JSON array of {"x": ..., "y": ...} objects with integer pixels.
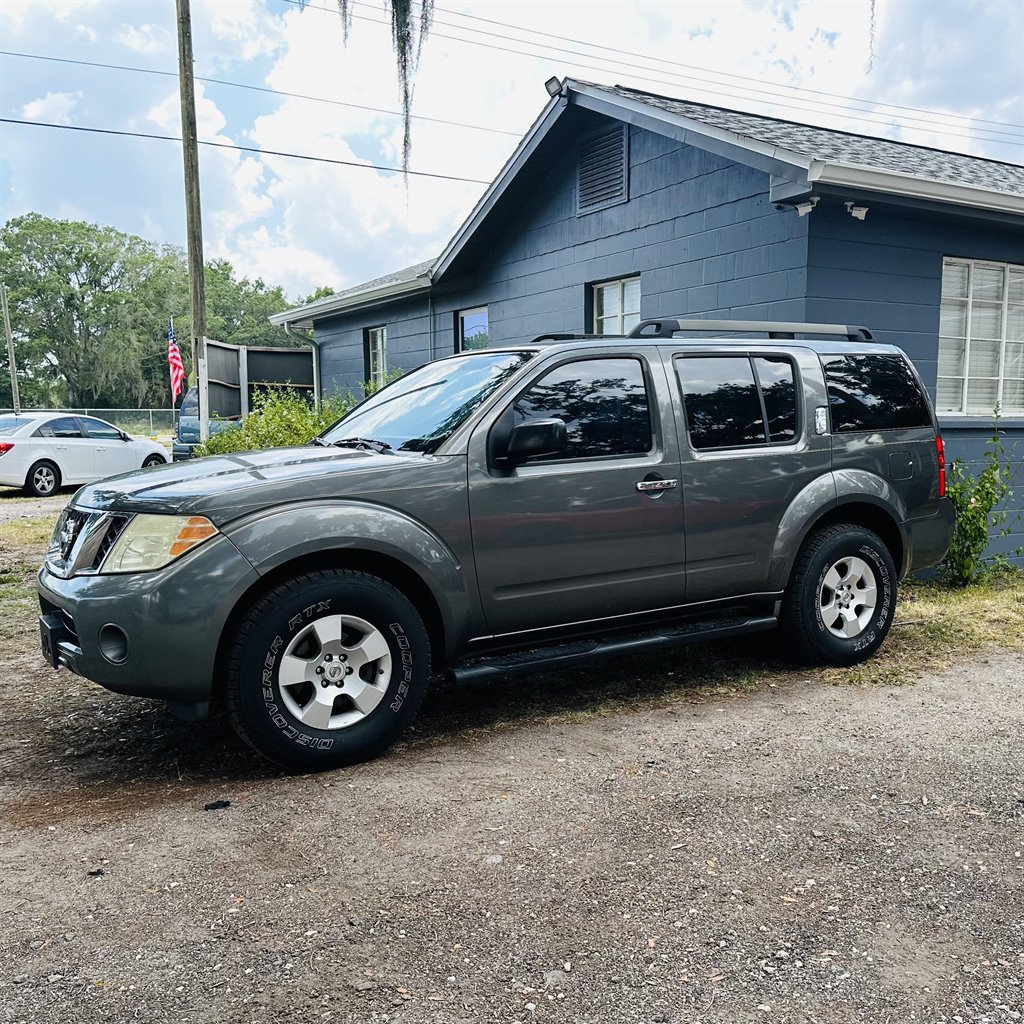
[
  {"x": 71, "y": 525},
  {"x": 115, "y": 527}
]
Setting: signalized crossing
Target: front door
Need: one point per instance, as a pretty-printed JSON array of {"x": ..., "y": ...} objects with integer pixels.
[
  {"x": 570, "y": 537},
  {"x": 113, "y": 454}
]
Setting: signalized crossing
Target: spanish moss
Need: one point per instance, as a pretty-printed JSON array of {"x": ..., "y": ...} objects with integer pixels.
[{"x": 407, "y": 41}]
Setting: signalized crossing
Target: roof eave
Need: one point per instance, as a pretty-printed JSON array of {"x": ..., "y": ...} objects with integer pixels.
[
  {"x": 912, "y": 187},
  {"x": 552, "y": 111},
  {"x": 305, "y": 316}
]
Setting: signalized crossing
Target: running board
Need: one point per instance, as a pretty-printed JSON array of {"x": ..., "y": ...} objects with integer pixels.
[{"x": 545, "y": 659}]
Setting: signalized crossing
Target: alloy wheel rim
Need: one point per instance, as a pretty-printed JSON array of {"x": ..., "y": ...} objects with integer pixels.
[
  {"x": 335, "y": 672},
  {"x": 848, "y": 597},
  {"x": 43, "y": 479}
]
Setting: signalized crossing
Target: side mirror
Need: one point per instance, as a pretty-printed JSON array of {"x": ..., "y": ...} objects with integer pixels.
[
  {"x": 536, "y": 437},
  {"x": 125, "y": 436}
]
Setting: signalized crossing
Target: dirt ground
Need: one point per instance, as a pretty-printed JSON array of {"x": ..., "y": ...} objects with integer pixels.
[{"x": 799, "y": 849}]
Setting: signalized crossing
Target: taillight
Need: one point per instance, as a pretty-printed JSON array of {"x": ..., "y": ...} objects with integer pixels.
[
  {"x": 5, "y": 448},
  {"x": 941, "y": 452}
]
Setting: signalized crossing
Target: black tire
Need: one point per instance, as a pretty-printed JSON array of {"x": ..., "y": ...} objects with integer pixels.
[
  {"x": 280, "y": 629},
  {"x": 814, "y": 612},
  {"x": 153, "y": 460},
  {"x": 42, "y": 479}
]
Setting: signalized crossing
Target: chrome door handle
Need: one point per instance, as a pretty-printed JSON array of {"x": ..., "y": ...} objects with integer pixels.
[{"x": 645, "y": 486}]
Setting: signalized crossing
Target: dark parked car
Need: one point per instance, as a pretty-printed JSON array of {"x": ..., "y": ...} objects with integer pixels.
[{"x": 509, "y": 510}]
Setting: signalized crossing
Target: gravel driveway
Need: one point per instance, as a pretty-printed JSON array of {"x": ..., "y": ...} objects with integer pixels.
[{"x": 799, "y": 852}]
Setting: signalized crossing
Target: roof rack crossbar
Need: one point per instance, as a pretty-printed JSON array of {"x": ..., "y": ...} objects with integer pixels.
[{"x": 775, "y": 329}]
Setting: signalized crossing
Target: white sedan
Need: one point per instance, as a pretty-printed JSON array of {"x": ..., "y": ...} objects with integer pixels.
[{"x": 44, "y": 451}]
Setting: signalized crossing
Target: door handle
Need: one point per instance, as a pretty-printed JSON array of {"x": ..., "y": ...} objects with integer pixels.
[{"x": 646, "y": 486}]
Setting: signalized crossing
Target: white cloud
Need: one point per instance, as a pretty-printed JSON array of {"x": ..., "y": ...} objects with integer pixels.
[
  {"x": 146, "y": 39},
  {"x": 54, "y": 107},
  {"x": 90, "y": 33}
]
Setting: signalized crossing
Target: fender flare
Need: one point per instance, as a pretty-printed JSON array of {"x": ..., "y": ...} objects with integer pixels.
[
  {"x": 827, "y": 494},
  {"x": 294, "y": 532}
]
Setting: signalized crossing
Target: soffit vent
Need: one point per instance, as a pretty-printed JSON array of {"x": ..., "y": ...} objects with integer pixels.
[{"x": 602, "y": 170}]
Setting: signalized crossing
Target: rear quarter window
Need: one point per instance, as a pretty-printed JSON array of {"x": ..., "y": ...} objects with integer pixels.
[
  {"x": 873, "y": 393},
  {"x": 9, "y": 424}
]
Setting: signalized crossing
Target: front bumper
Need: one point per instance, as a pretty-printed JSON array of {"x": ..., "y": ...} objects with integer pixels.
[
  {"x": 181, "y": 450},
  {"x": 173, "y": 620}
]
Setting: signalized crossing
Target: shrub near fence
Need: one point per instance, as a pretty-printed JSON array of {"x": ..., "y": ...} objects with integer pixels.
[{"x": 145, "y": 422}]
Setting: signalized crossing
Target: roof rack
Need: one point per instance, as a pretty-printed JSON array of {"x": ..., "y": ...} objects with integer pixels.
[
  {"x": 775, "y": 329},
  {"x": 574, "y": 337}
]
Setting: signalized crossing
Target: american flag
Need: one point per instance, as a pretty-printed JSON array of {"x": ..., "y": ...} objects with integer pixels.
[{"x": 174, "y": 361}]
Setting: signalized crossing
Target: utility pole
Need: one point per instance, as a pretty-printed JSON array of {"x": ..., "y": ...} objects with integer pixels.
[
  {"x": 193, "y": 214},
  {"x": 10, "y": 351}
]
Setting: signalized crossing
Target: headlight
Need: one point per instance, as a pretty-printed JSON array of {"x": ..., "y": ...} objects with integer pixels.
[{"x": 151, "y": 542}]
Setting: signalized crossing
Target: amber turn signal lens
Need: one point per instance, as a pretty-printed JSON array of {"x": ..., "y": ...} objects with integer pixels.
[{"x": 194, "y": 532}]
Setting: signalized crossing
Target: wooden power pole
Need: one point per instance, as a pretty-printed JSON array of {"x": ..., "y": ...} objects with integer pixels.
[
  {"x": 193, "y": 210},
  {"x": 10, "y": 351}
]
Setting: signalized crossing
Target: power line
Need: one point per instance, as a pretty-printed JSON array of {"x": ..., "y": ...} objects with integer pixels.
[
  {"x": 711, "y": 71},
  {"x": 254, "y": 88},
  {"x": 244, "y": 149},
  {"x": 861, "y": 116}
]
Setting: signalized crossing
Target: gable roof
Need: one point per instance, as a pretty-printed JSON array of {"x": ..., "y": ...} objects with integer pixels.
[
  {"x": 381, "y": 289},
  {"x": 799, "y": 157},
  {"x": 844, "y": 148}
]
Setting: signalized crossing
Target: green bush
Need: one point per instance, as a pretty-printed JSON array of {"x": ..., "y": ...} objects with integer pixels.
[
  {"x": 278, "y": 419},
  {"x": 980, "y": 502}
]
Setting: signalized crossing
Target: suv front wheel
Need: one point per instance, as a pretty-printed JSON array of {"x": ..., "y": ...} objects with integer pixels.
[
  {"x": 841, "y": 596},
  {"x": 327, "y": 670}
]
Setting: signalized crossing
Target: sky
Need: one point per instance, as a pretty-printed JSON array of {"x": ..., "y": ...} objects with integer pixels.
[{"x": 942, "y": 73}]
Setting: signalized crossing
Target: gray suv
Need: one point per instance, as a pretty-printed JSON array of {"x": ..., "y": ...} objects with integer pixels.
[{"x": 510, "y": 510}]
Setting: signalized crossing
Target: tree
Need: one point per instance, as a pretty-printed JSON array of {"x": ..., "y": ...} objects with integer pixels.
[
  {"x": 86, "y": 302},
  {"x": 89, "y": 308}
]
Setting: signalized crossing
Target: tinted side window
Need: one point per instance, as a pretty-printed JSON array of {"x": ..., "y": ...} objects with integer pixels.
[
  {"x": 190, "y": 403},
  {"x": 873, "y": 393},
  {"x": 603, "y": 403},
  {"x": 66, "y": 426},
  {"x": 722, "y": 406},
  {"x": 100, "y": 430},
  {"x": 778, "y": 387}
]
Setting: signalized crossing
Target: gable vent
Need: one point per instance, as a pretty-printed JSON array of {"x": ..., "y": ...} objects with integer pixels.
[{"x": 602, "y": 170}]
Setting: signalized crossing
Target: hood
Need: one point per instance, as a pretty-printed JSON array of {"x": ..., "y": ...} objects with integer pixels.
[{"x": 225, "y": 487}]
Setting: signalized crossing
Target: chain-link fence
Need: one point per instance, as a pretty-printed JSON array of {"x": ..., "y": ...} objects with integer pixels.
[{"x": 145, "y": 422}]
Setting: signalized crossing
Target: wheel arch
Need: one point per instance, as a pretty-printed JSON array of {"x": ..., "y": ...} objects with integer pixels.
[
  {"x": 879, "y": 519},
  {"x": 374, "y": 563}
]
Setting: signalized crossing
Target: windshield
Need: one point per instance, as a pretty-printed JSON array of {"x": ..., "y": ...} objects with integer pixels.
[
  {"x": 190, "y": 403},
  {"x": 420, "y": 411}
]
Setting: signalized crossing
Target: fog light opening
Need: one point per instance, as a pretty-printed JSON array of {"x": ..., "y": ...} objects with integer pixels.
[{"x": 114, "y": 644}]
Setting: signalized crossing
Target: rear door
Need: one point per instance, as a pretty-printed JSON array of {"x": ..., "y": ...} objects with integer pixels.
[
  {"x": 570, "y": 537},
  {"x": 750, "y": 448}
]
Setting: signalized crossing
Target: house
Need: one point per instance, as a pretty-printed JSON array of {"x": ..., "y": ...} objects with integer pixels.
[{"x": 620, "y": 204}]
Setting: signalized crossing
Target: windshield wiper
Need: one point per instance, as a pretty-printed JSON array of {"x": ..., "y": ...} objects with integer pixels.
[
  {"x": 316, "y": 441},
  {"x": 362, "y": 442}
]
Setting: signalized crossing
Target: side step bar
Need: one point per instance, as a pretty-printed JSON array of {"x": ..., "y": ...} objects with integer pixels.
[{"x": 545, "y": 659}]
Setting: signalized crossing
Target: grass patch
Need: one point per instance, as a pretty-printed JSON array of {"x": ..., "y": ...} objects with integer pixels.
[{"x": 27, "y": 533}]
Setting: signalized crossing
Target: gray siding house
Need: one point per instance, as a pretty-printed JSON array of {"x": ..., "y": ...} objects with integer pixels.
[{"x": 620, "y": 205}]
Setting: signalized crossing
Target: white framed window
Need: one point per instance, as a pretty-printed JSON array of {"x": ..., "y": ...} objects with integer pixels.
[
  {"x": 981, "y": 338},
  {"x": 616, "y": 306},
  {"x": 376, "y": 355},
  {"x": 471, "y": 329}
]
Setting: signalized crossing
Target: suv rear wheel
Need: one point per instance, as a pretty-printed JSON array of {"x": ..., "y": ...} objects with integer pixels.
[
  {"x": 841, "y": 596},
  {"x": 327, "y": 670}
]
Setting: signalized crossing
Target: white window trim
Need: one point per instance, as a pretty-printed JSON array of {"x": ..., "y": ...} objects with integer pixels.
[
  {"x": 971, "y": 264},
  {"x": 621, "y": 282},
  {"x": 461, "y": 321},
  {"x": 377, "y": 354}
]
